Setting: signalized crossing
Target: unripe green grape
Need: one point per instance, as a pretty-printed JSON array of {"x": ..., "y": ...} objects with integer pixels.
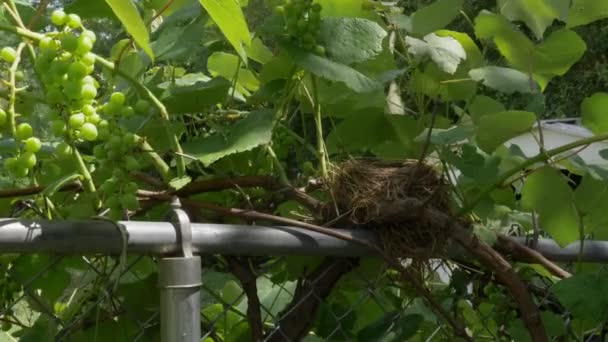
[
  {"x": 85, "y": 45},
  {"x": 28, "y": 160},
  {"x": 19, "y": 75},
  {"x": 63, "y": 151},
  {"x": 118, "y": 173},
  {"x": 142, "y": 106},
  {"x": 77, "y": 70},
  {"x": 3, "y": 117},
  {"x": 58, "y": 17},
  {"x": 88, "y": 92},
  {"x": 74, "y": 21},
  {"x": 20, "y": 171},
  {"x": 320, "y": 50},
  {"x": 117, "y": 98},
  {"x": 92, "y": 36},
  {"x": 48, "y": 47},
  {"x": 114, "y": 143},
  {"x": 72, "y": 90},
  {"x": 94, "y": 119},
  {"x": 131, "y": 163},
  {"x": 114, "y": 154},
  {"x": 130, "y": 187},
  {"x": 129, "y": 140},
  {"x": 279, "y": 10},
  {"x": 129, "y": 201},
  {"x": 69, "y": 42},
  {"x": 88, "y": 131},
  {"x": 113, "y": 202},
  {"x": 88, "y": 110},
  {"x": 32, "y": 145},
  {"x": 58, "y": 127},
  {"x": 76, "y": 120},
  {"x": 88, "y": 59},
  {"x": 54, "y": 95},
  {"x": 127, "y": 111},
  {"x": 316, "y": 7},
  {"x": 11, "y": 163},
  {"x": 24, "y": 131},
  {"x": 8, "y": 54}
]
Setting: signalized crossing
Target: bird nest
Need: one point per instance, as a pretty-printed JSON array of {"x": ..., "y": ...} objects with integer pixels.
[{"x": 387, "y": 198}]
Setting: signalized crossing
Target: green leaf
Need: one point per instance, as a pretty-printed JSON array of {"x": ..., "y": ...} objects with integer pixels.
[
  {"x": 228, "y": 16},
  {"x": 474, "y": 58},
  {"x": 496, "y": 129},
  {"x": 505, "y": 80},
  {"x": 474, "y": 165},
  {"x": 537, "y": 14},
  {"x": 88, "y": 9},
  {"x": 228, "y": 66},
  {"x": 446, "y": 52},
  {"x": 351, "y": 40},
  {"x": 392, "y": 326},
  {"x": 196, "y": 97},
  {"x": 546, "y": 192},
  {"x": 258, "y": 52},
  {"x": 333, "y": 71},
  {"x": 586, "y": 11},
  {"x": 484, "y": 105},
  {"x": 175, "y": 42},
  {"x": 128, "y": 15},
  {"x": 584, "y": 295},
  {"x": 435, "y": 16},
  {"x": 591, "y": 200},
  {"x": 450, "y": 136},
  {"x": 254, "y": 130},
  {"x": 594, "y": 114}
]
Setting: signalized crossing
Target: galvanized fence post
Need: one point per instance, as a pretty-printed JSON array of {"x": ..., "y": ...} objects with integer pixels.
[{"x": 180, "y": 283}]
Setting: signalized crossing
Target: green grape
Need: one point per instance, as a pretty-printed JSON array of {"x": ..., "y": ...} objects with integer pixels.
[
  {"x": 320, "y": 50},
  {"x": 24, "y": 131},
  {"x": 94, "y": 119},
  {"x": 19, "y": 75},
  {"x": 63, "y": 150},
  {"x": 308, "y": 38},
  {"x": 118, "y": 174},
  {"x": 127, "y": 111},
  {"x": 32, "y": 144},
  {"x": 316, "y": 7},
  {"x": 129, "y": 202},
  {"x": 58, "y": 17},
  {"x": 88, "y": 59},
  {"x": 76, "y": 120},
  {"x": 48, "y": 46},
  {"x": 72, "y": 90},
  {"x": 54, "y": 95},
  {"x": 131, "y": 187},
  {"x": 85, "y": 45},
  {"x": 69, "y": 42},
  {"x": 11, "y": 164},
  {"x": 99, "y": 152},
  {"x": 77, "y": 70},
  {"x": 129, "y": 140},
  {"x": 3, "y": 117},
  {"x": 117, "y": 98},
  {"x": 8, "y": 54},
  {"x": 113, "y": 202},
  {"x": 74, "y": 21},
  {"x": 92, "y": 36},
  {"x": 142, "y": 106},
  {"x": 88, "y": 92},
  {"x": 114, "y": 154},
  {"x": 89, "y": 131},
  {"x": 20, "y": 171},
  {"x": 131, "y": 163},
  {"x": 279, "y": 10},
  {"x": 115, "y": 214},
  {"x": 27, "y": 160},
  {"x": 114, "y": 143},
  {"x": 88, "y": 110},
  {"x": 110, "y": 109}
]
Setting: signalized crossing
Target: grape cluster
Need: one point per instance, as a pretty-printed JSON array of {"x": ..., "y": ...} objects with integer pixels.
[{"x": 302, "y": 20}]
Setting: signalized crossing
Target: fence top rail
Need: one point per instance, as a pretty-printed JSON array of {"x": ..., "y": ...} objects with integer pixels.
[{"x": 160, "y": 238}]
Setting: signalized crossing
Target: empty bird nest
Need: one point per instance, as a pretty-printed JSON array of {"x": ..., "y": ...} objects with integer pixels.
[{"x": 387, "y": 197}]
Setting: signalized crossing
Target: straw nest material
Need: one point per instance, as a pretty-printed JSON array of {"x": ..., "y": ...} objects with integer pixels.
[{"x": 374, "y": 195}]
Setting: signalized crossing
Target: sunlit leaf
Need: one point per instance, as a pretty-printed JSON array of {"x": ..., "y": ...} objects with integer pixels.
[
  {"x": 505, "y": 80},
  {"x": 228, "y": 16},
  {"x": 495, "y": 129},
  {"x": 594, "y": 113},
  {"x": 434, "y": 16},
  {"x": 546, "y": 192},
  {"x": 128, "y": 15},
  {"x": 584, "y": 295},
  {"x": 586, "y": 11},
  {"x": 351, "y": 40},
  {"x": 537, "y": 14},
  {"x": 445, "y": 51}
]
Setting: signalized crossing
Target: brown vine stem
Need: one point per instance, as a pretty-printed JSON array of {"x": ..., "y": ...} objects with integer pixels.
[{"x": 525, "y": 252}]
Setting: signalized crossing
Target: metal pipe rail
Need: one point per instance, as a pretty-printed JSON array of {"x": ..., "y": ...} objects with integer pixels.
[{"x": 161, "y": 238}]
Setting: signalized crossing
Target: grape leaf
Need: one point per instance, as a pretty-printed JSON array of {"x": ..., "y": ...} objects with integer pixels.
[
  {"x": 584, "y": 295},
  {"x": 586, "y": 11},
  {"x": 196, "y": 97},
  {"x": 496, "y": 129},
  {"x": 128, "y": 15},
  {"x": 593, "y": 112},
  {"x": 537, "y": 14},
  {"x": 434, "y": 16},
  {"x": 505, "y": 80},
  {"x": 333, "y": 71},
  {"x": 445, "y": 51},
  {"x": 91, "y": 9},
  {"x": 250, "y": 132},
  {"x": 351, "y": 40},
  {"x": 548, "y": 193},
  {"x": 228, "y": 16},
  {"x": 484, "y": 105}
]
